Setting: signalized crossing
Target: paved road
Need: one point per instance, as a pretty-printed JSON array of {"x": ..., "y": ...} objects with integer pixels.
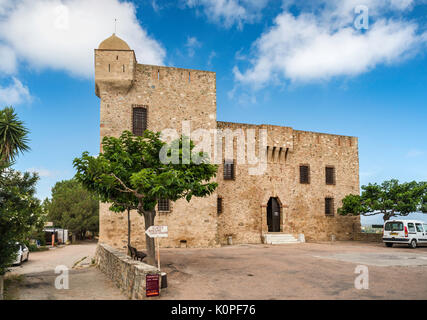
[
  {"x": 295, "y": 271},
  {"x": 85, "y": 282}
]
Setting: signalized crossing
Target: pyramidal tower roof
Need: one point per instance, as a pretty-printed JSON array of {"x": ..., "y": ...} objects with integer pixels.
[{"x": 114, "y": 43}]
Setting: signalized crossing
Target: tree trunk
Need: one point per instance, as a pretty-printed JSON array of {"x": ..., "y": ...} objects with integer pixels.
[
  {"x": 151, "y": 249},
  {"x": 128, "y": 227},
  {"x": 1, "y": 286}
]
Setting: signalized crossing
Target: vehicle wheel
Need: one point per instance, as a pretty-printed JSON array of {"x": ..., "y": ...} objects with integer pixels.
[
  {"x": 389, "y": 245},
  {"x": 413, "y": 244}
]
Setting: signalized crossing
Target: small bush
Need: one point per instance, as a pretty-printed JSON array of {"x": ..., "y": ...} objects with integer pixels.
[{"x": 33, "y": 248}]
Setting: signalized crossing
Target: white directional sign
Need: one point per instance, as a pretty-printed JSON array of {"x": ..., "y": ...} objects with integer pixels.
[{"x": 157, "y": 231}]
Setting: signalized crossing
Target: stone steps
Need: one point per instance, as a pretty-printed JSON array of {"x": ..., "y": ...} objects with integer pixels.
[{"x": 279, "y": 238}]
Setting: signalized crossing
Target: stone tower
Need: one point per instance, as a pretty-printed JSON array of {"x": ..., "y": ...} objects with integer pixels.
[
  {"x": 172, "y": 98},
  {"x": 115, "y": 65}
]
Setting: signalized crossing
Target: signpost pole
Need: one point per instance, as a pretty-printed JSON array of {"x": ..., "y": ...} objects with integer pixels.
[{"x": 158, "y": 253}]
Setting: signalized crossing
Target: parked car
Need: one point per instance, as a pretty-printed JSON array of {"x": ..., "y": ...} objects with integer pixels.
[
  {"x": 22, "y": 253},
  {"x": 410, "y": 232}
]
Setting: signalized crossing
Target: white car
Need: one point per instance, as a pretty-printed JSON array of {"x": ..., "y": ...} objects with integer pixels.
[
  {"x": 22, "y": 253},
  {"x": 410, "y": 232}
]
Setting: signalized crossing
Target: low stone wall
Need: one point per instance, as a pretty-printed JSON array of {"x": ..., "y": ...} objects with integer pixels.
[
  {"x": 368, "y": 237},
  {"x": 128, "y": 274}
]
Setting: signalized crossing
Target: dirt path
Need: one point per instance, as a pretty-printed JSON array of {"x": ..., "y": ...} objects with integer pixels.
[{"x": 36, "y": 278}]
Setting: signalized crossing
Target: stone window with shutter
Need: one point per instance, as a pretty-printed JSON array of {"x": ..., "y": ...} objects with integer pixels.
[
  {"x": 139, "y": 120},
  {"x": 229, "y": 170},
  {"x": 219, "y": 205},
  {"x": 304, "y": 174},
  {"x": 330, "y": 175},
  {"x": 329, "y": 207}
]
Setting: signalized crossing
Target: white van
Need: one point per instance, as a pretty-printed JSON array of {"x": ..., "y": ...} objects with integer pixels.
[{"x": 410, "y": 232}]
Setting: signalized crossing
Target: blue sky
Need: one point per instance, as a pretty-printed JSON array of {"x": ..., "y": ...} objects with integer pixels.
[{"x": 277, "y": 62}]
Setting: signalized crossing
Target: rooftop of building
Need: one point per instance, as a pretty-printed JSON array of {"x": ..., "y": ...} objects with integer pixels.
[{"x": 114, "y": 43}]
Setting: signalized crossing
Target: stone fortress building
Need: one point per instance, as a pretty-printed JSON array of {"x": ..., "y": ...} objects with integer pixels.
[{"x": 307, "y": 175}]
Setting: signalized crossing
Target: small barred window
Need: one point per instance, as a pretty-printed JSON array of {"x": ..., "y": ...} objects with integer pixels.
[
  {"x": 139, "y": 120},
  {"x": 329, "y": 206},
  {"x": 304, "y": 174},
  {"x": 164, "y": 205},
  {"x": 229, "y": 172},
  {"x": 330, "y": 175},
  {"x": 219, "y": 205}
]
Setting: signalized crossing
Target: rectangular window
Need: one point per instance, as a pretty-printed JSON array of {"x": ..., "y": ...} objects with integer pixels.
[
  {"x": 394, "y": 226},
  {"x": 419, "y": 227},
  {"x": 164, "y": 205},
  {"x": 229, "y": 173},
  {"x": 330, "y": 175},
  {"x": 139, "y": 120},
  {"x": 219, "y": 205},
  {"x": 304, "y": 174},
  {"x": 329, "y": 206},
  {"x": 411, "y": 227}
]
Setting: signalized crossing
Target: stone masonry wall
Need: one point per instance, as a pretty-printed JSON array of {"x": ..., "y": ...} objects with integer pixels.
[
  {"x": 368, "y": 237},
  {"x": 128, "y": 274},
  {"x": 245, "y": 199}
]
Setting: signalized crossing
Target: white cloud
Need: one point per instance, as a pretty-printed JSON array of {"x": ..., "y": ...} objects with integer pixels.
[
  {"x": 212, "y": 55},
  {"x": 192, "y": 44},
  {"x": 7, "y": 60},
  {"x": 61, "y": 34},
  {"x": 324, "y": 44},
  {"x": 14, "y": 94},
  {"x": 41, "y": 172},
  {"x": 230, "y": 12}
]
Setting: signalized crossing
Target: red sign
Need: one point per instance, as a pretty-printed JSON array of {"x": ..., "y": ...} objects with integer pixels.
[{"x": 152, "y": 285}]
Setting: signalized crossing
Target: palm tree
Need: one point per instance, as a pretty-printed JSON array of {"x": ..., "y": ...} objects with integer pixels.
[{"x": 13, "y": 136}]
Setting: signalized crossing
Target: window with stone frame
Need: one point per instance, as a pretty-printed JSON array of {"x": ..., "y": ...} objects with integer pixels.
[
  {"x": 330, "y": 175},
  {"x": 219, "y": 205},
  {"x": 229, "y": 170},
  {"x": 304, "y": 174},
  {"x": 139, "y": 120},
  {"x": 329, "y": 207},
  {"x": 163, "y": 205}
]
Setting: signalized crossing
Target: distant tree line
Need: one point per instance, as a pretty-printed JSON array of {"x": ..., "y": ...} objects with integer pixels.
[
  {"x": 391, "y": 199},
  {"x": 74, "y": 208}
]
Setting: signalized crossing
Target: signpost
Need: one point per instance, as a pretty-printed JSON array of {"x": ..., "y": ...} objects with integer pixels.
[
  {"x": 157, "y": 232},
  {"x": 152, "y": 280}
]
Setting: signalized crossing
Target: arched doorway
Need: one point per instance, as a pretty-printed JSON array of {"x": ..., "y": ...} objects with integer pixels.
[{"x": 273, "y": 215}]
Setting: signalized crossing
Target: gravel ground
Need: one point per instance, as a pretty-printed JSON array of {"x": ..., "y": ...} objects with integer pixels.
[{"x": 295, "y": 271}]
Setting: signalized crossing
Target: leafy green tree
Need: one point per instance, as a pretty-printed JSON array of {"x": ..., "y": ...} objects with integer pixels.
[
  {"x": 129, "y": 173},
  {"x": 20, "y": 214},
  {"x": 13, "y": 135},
  {"x": 390, "y": 198},
  {"x": 74, "y": 208}
]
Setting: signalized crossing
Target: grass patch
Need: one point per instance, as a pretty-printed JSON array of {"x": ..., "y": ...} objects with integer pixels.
[
  {"x": 34, "y": 248},
  {"x": 11, "y": 286}
]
